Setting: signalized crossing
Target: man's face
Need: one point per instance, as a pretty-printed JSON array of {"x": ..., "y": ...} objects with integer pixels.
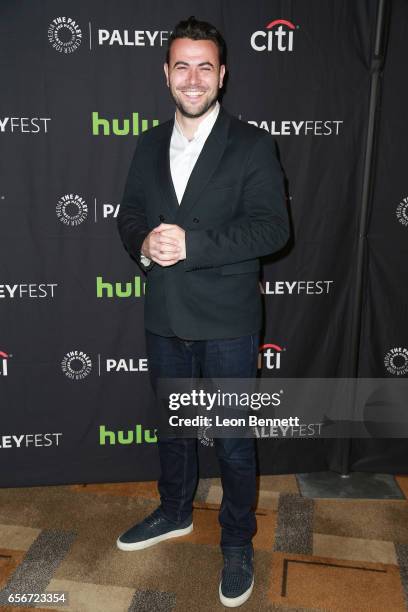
[{"x": 194, "y": 75}]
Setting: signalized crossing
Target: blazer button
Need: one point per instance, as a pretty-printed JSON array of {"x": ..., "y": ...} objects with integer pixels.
[
  {"x": 162, "y": 217},
  {"x": 195, "y": 220}
]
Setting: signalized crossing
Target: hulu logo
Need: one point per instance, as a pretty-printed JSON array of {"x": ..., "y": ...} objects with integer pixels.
[
  {"x": 120, "y": 127},
  {"x": 136, "y": 436},
  {"x": 121, "y": 290}
]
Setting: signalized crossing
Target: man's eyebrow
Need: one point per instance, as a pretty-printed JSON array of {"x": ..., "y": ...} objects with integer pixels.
[{"x": 181, "y": 63}]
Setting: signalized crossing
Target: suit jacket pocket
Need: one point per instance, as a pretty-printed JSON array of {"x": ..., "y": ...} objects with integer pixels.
[{"x": 242, "y": 267}]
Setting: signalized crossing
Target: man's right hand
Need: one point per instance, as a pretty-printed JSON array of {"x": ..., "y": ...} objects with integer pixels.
[{"x": 161, "y": 250}]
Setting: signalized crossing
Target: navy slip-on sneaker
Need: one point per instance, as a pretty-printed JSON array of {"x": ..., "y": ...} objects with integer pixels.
[
  {"x": 237, "y": 577},
  {"x": 153, "y": 529}
]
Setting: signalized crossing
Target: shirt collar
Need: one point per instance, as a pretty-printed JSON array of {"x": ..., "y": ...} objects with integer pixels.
[{"x": 204, "y": 127}]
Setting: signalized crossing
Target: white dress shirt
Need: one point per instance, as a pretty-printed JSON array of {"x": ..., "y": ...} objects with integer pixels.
[{"x": 184, "y": 154}]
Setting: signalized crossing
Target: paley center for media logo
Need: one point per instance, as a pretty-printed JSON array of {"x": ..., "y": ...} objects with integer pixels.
[
  {"x": 402, "y": 211},
  {"x": 277, "y": 36},
  {"x": 4, "y": 357},
  {"x": 203, "y": 437},
  {"x": 269, "y": 356},
  {"x": 65, "y": 36},
  {"x": 72, "y": 210},
  {"x": 396, "y": 361},
  {"x": 77, "y": 365}
]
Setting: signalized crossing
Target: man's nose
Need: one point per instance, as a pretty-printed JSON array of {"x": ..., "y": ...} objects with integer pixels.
[{"x": 193, "y": 77}]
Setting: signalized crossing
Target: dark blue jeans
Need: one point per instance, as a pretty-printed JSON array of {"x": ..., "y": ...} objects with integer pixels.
[{"x": 172, "y": 357}]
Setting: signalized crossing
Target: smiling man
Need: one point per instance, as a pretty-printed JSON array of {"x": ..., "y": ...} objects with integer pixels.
[{"x": 204, "y": 199}]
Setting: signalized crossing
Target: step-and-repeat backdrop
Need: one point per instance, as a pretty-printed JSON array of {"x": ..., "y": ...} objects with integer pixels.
[{"x": 80, "y": 81}]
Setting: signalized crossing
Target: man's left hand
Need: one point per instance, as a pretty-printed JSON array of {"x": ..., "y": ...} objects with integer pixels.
[{"x": 175, "y": 233}]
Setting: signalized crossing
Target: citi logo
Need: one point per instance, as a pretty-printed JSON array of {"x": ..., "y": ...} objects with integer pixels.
[
  {"x": 270, "y": 355},
  {"x": 136, "y": 436},
  {"x": 4, "y": 357},
  {"x": 278, "y": 35},
  {"x": 133, "y": 288},
  {"x": 120, "y": 127}
]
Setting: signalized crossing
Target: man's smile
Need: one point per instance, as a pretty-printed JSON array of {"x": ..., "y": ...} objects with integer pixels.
[{"x": 192, "y": 94}]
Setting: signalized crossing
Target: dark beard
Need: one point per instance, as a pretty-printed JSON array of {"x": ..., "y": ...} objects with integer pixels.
[{"x": 185, "y": 113}]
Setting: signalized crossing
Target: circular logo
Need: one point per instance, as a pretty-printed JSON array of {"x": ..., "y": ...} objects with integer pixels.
[
  {"x": 205, "y": 440},
  {"x": 402, "y": 211},
  {"x": 396, "y": 361},
  {"x": 64, "y": 34},
  {"x": 71, "y": 209},
  {"x": 76, "y": 365}
]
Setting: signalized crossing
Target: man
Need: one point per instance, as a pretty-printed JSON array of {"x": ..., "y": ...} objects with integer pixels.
[{"x": 204, "y": 199}]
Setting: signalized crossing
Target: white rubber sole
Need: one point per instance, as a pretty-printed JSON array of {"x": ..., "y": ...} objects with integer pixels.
[
  {"x": 234, "y": 602},
  {"x": 177, "y": 533}
]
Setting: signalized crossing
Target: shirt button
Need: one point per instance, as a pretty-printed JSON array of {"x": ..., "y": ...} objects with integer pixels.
[
  {"x": 162, "y": 217},
  {"x": 195, "y": 220}
]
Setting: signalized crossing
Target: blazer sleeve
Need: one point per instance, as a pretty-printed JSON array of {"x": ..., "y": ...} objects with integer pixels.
[
  {"x": 131, "y": 221},
  {"x": 263, "y": 227}
]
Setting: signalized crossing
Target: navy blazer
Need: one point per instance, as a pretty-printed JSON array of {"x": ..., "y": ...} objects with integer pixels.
[{"x": 233, "y": 212}]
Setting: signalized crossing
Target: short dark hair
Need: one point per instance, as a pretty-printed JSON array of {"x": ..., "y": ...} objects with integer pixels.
[{"x": 198, "y": 30}]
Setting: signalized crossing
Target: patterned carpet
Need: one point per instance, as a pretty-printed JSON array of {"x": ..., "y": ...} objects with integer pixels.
[{"x": 310, "y": 554}]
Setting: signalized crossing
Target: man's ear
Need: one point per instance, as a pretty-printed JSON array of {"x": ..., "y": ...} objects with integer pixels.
[
  {"x": 166, "y": 72},
  {"x": 222, "y": 74}
]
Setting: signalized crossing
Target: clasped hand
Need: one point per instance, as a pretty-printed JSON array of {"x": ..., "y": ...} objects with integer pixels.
[{"x": 165, "y": 245}]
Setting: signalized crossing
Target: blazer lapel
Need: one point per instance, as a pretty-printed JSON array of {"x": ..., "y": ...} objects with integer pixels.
[
  {"x": 205, "y": 165},
  {"x": 204, "y": 168},
  {"x": 164, "y": 174}
]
